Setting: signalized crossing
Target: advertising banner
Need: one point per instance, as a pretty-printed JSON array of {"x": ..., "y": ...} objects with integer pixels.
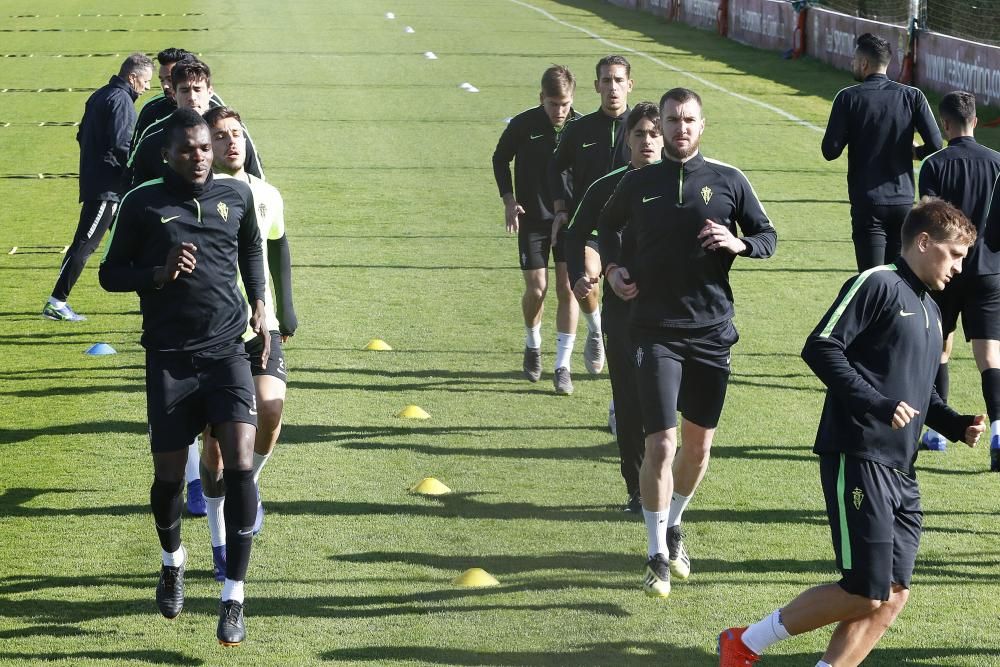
[
  {"x": 766, "y": 24},
  {"x": 831, "y": 38},
  {"x": 946, "y": 63}
]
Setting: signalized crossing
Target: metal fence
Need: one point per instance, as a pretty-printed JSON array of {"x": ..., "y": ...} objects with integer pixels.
[{"x": 975, "y": 20}]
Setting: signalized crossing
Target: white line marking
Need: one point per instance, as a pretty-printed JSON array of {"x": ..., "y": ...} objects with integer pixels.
[{"x": 770, "y": 107}]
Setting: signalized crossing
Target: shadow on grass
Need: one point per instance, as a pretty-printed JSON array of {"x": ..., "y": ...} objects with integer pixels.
[
  {"x": 313, "y": 433},
  {"x": 608, "y": 653},
  {"x": 151, "y": 657},
  {"x": 111, "y": 426},
  {"x": 76, "y": 390},
  {"x": 597, "y": 452}
]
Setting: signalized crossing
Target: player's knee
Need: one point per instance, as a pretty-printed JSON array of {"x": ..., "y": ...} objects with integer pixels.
[
  {"x": 535, "y": 292},
  {"x": 269, "y": 415},
  {"x": 660, "y": 450},
  {"x": 864, "y": 605}
]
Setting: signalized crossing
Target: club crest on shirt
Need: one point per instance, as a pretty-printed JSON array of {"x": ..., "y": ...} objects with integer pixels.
[
  {"x": 859, "y": 496},
  {"x": 706, "y": 193},
  {"x": 638, "y": 356},
  {"x": 223, "y": 211},
  {"x": 262, "y": 210}
]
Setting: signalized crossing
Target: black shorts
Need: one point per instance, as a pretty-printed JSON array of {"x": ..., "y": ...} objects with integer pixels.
[
  {"x": 534, "y": 242},
  {"x": 684, "y": 370},
  {"x": 186, "y": 391},
  {"x": 875, "y": 521},
  {"x": 275, "y": 363},
  {"x": 977, "y": 300}
]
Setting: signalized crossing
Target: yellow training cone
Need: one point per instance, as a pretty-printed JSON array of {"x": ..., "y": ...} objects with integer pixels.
[
  {"x": 413, "y": 412},
  {"x": 475, "y": 578},
  {"x": 429, "y": 486},
  {"x": 378, "y": 345}
]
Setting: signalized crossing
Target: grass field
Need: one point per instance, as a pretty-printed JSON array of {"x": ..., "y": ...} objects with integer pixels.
[{"x": 397, "y": 233}]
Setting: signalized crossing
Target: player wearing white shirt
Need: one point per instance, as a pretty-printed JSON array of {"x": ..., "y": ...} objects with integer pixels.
[{"x": 270, "y": 379}]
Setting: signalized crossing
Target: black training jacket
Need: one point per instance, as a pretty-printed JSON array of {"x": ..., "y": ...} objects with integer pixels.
[
  {"x": 528, "y": 140},
  {"x": 665, "y": 206},
  {"x": 875, "y": 120},
  {"x": 157, "y": 108},
  {"x": 104, "y": 134},
  {"x": 877, "y": 345},
  {"x": 964, "y": 174},
  {"x": 590, "y": 147},
  {"x": 204, "y": 308}
]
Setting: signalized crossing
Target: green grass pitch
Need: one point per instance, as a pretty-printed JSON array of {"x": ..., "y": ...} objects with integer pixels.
[{"x": 397, "y": 233}]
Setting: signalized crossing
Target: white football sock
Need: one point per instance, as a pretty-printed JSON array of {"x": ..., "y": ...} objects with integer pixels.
[
  {"x": 656, "y": 532},
  {"x": 823, "y": 663},
  {"x": 216, "y": 520},
  {"x": 191, "y": 471},
  {"x": 994, "y": 429},
  {"x": 56, "y": 303},
  {"x": 232, "y": 590},
  {"x": 533, "y": 336},
  {"x": 258, "y": 464},
  {"x": 765, "y": 632},
  {"x": 593, "y": 320},
  {"x": 678, "y": 504},
  {"x": 564, "y": 349},
  {"x": 175, "y": 559}
]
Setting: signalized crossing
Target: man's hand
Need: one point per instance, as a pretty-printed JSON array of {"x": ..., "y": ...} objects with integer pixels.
[
  {"x": 973, "y": 432},
  {"x": 511, "y": 211},
  {"x": 718, "y": 237},
  {"x": 903, "y": 415},
  {"x": 180, "y": 259},
  {"x": 258, "y": 323},
  {"x": 621, "y": 282},
  {"x": 562, "y": 217},
  {"x": 584, "y": 286}
]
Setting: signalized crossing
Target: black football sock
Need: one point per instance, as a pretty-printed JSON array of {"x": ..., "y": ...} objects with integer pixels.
[
  {"x": 166, "y": 501},
  {"x": 991, "y": 392},
  {"x": 941, "y": 381},
  {"x": 240, "y": 512}
]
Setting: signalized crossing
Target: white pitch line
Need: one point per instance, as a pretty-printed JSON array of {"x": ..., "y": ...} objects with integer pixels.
[{"x": 722, "y": 89}]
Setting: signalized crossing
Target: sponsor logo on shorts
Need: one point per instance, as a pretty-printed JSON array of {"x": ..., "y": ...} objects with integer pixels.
[
  {"x": 648, "y": 199},
  {"x": 253, "y": 410},
  {"x": 166, "y": 220},
  {"x": 593, "y": 143},
  {"x": 638, "y": 356},
  {"x": 903, "y": 313},
  {"x": 858, "y": 496},
  {"x": 281, "y": 366},
  {"x": 706, "y": 193},
  {"x": 223, "y": 211},
  {"x": 524, "y": 259}
]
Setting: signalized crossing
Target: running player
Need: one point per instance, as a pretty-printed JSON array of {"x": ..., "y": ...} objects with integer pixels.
[
  {"x": 877, "y": 351},
  {"x": 646, "y": 147},
  {"x": 162, "y": 104},
  {"x": 591, "y": 147},
  {"x": 964, "y": 174},
  {"x": 270, "y": 377},
  {"x": 192, "y": 85},
  {"x": 177, "y": 242},
  {"x": 875, "y": 120},
  {"x": 682, "y": 214},
  {"x": 529, "y": 139}
]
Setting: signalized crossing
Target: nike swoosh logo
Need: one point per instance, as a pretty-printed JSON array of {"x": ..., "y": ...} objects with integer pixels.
[
  {"x": 537, "y": 136},
  {"x": 254, "y": 412},
  {"x": 646, "y": 199},
  {"x": 903, "y": 313},
  {"x": 166, "y": 220},
  {"x": 245, "y": 532},
  {"x": 590, "y": 144}
]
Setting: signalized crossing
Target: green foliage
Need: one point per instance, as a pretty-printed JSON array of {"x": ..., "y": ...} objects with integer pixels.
[{"x": 397, "y": 233}]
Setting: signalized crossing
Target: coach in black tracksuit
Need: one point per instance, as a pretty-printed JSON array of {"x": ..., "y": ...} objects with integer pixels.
[
  {"x": 964, "y": 174},
  {"x": 875, "y": 120},
  {"x": 104, "y": 137},
  {"x": 178, "y": 242},
  {"x": 683, "y": 215},
  {"x": 876, "y": 350}
]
